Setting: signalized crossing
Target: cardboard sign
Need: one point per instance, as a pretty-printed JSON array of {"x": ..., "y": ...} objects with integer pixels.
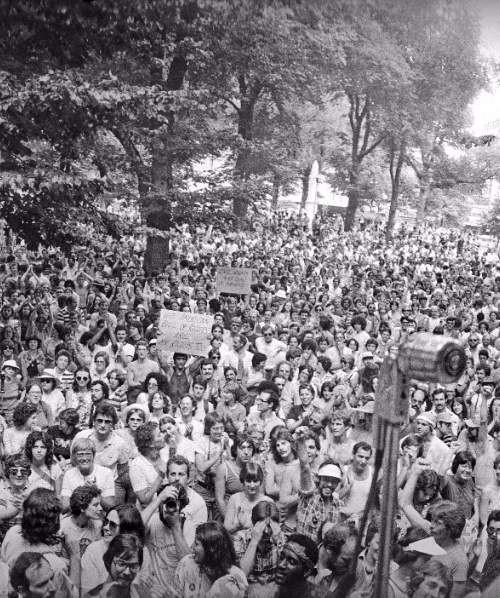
[
  {"x": 184, "y": 332},
  {"x": 236, "y": 281}
]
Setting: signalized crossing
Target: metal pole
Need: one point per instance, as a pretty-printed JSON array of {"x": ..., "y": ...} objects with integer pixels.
[{"x": 389, "y": 510}]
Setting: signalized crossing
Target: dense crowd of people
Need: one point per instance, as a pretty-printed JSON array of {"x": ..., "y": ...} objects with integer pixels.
[{"x": 131, "y": 471}]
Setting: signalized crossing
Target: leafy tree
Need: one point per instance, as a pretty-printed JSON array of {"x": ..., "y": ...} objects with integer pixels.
[
  {"x": 448, "y": 74},
  {"x": 374, "y": 71}
]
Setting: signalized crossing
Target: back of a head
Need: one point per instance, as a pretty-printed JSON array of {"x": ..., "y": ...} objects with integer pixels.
[{"x": 41, "y": 515}]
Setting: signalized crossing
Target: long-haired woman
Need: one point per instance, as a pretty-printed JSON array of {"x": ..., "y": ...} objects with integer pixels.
[
  {"x": 210, "y": 570},
  {"x": 45, "y": 470}
]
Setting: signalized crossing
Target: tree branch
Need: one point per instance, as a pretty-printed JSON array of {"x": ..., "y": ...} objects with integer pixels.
[
  {"x": 229, "y": 101},
  {"x": 373, "y": 146},
  {"x": 412, "y": 164}
]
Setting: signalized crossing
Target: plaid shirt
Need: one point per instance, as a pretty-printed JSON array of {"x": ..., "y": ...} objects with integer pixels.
[
  {"x": 312, "y": 512},
  {"x": 264, "y": 565}
]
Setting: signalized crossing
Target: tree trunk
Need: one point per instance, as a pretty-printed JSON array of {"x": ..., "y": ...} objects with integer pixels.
[
  {"x": 276, "y": 192},
  {"x": 157, "y": 210},
  {"x": 353, "y": 197},
  {"x": 397, "y": 159},
  {"x": 306, "y": 173},
  {"x": 424, "y": 192},
  {"x": 249, "y": 96}
]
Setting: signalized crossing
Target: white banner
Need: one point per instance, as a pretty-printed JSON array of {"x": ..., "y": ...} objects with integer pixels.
[
  {"x": 236, "y": 281},
  {"x": 184, "y": 332}
]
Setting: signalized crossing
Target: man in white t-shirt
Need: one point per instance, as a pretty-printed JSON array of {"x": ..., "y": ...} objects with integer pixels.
[{"x": 87, "y": 472}]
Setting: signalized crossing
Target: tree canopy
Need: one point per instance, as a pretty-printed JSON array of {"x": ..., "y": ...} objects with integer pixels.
[{"x": 107, "y": 100}]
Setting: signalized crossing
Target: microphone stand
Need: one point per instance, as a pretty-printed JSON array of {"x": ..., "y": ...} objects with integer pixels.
[{"x": 428, "y": 358}]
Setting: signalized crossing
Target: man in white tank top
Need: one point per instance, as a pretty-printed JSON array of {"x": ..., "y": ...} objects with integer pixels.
[{"x": 359, "y": 476}]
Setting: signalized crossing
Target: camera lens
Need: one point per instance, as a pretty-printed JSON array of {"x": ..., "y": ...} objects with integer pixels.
[{"x": 171, "y": 504}]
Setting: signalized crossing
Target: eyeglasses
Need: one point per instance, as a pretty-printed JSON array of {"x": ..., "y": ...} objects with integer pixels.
[
  {"x": 493, "y": 531},
  {"x": 122, "y": 565},
  {"x": 99, "y": 420},
  {"x": 35, "y": 394},
  {"x": 45, "y": 380},
  {"x": 82, "y": 378},
  {"x": 112, "y": 524},
  {"x": 18, "y": 471},
  {"x": 215, "y": 356}
]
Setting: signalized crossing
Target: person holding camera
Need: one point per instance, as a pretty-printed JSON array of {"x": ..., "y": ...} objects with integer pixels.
[{"x": 171, "y": 529}]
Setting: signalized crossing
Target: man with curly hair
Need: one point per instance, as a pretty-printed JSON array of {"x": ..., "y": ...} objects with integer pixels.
[{"x": 82, "y": 527}]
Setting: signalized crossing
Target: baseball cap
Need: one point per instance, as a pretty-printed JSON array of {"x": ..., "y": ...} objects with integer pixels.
[
  {"x": 367, "y": 355},
  {"x": 330, "y": 470}
]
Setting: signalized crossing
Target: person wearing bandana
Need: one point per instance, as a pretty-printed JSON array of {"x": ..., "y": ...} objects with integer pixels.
[{"x": 296, "y": 563}]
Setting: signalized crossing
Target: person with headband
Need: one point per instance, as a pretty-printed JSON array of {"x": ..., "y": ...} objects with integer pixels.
[
  {"x": 297, "y": 561},
  {"x": 317, "y": 502}
]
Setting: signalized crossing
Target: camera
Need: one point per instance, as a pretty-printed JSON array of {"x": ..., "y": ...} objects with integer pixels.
[{"x": 172, "y": 505}]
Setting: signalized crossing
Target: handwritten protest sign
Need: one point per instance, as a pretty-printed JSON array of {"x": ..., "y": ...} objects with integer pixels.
[
  {"x": 234, "y": 280},
  {"x": 184, "y": 332}
]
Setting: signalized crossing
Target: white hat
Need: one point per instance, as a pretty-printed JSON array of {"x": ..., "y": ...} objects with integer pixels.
[
  {"x": 368, "y": 407},
  {"x": 281, "y": 294},
  {"x": 426, "y": 546},
  {"x": 129, "y": 350},
  {"x": 49, "y": 374},
  {"x": 132, "y": 407},
  {"x": 330, "y": 470},
  {"x": 10, "y": 363},
  {"x": 428, "y": 418},
  {"x": 367, "y": 354}
]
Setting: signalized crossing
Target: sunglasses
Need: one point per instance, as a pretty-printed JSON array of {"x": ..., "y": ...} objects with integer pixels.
[
  {"x": 45, "y": 380},
  {"x": 99, "y": 420},
  {"x": 82, "y": 378},
  {"x": 112, "y": 524},
  {"x": 18, "y": 471}
]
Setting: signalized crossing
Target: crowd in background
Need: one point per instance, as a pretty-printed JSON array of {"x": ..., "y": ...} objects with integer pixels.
[{"x": 129, "y": 470}]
